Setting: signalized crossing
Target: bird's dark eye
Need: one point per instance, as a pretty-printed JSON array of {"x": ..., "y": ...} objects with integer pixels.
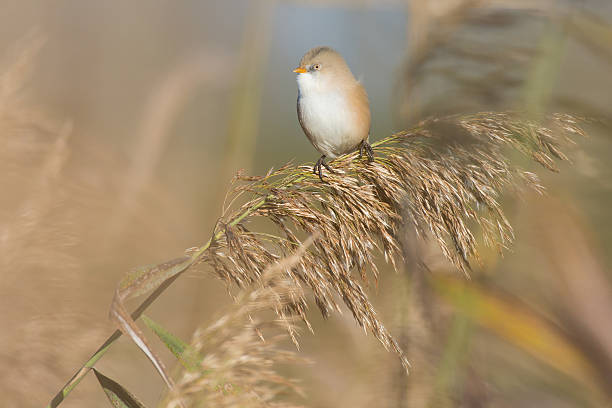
[{"x": 317, "y": 66}]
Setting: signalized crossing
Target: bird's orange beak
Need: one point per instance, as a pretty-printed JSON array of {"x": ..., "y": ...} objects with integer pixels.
[{"x": 300, "y": 70}]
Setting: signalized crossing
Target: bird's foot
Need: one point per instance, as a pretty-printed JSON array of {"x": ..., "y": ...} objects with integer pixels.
[
  {"x": 365, "y": 146},
  {"x": 317, "y": 167}
]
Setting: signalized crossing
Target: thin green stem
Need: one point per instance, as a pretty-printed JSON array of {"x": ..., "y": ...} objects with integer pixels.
[{"x": 89, "y": 364}]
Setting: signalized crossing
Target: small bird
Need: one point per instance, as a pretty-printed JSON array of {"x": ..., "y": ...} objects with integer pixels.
[{"x": 332, "y": 106}]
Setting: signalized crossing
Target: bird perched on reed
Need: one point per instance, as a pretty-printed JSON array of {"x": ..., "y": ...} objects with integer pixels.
[{"x": 332, "y": 106}]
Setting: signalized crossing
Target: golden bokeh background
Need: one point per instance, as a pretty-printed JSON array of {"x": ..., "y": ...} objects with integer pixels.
[{"x": 122, "y": 124}]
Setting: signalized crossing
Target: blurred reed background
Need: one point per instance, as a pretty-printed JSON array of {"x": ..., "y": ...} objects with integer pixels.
[{"x": 122, "y": 124}]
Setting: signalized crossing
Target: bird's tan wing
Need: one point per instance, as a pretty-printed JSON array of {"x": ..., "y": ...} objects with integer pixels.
[{"x": 361, "y": 106}]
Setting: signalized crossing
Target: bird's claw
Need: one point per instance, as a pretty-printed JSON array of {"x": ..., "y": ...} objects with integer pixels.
[
  {"x": 317, "y": 167},
  {"x": 365, "y": 146}
]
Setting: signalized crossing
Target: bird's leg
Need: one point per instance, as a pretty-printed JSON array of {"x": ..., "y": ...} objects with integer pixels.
[
  {"x": 317, "y": 167},
  {"x": 365, "y": 146}
]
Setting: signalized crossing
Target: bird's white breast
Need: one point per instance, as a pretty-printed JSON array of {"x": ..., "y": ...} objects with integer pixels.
[{"x": 328, "y": 117}]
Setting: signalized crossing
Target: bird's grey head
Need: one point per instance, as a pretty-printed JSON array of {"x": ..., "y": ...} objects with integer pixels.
[{"x": 320, "y": 67}]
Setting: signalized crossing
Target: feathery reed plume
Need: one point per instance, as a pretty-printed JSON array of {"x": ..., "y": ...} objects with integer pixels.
[
  {"x": 439, "y": 186},
  {"x": 236, "y": 364},
  {"x": 447, "y": 48}
]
